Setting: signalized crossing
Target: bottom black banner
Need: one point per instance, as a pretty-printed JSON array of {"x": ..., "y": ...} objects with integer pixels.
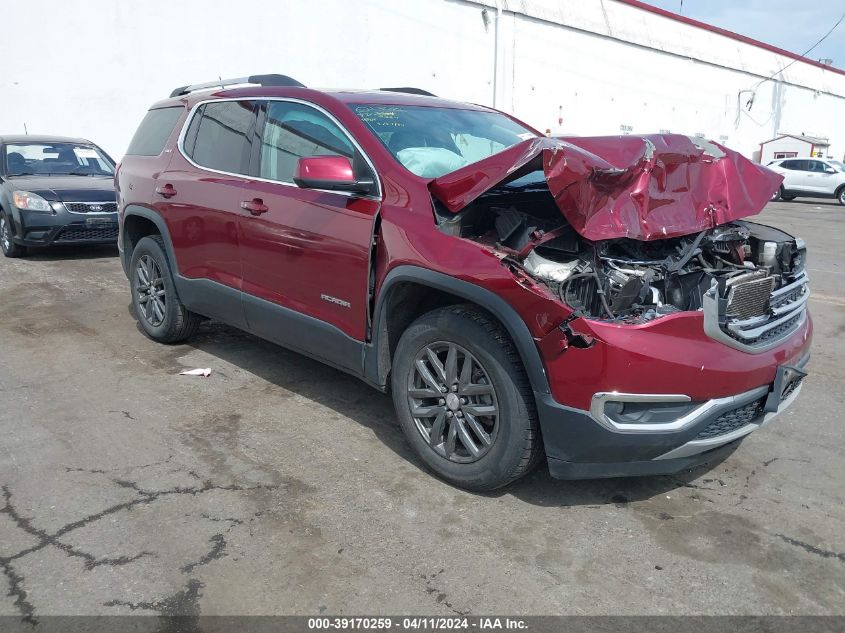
[{"x": 389, "y": 624}]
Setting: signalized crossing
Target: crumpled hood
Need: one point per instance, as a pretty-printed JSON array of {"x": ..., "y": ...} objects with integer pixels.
[{"x": 639, "y": 187}]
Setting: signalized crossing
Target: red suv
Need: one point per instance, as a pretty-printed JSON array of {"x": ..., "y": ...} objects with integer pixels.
[{"x": 596, "y": 301}]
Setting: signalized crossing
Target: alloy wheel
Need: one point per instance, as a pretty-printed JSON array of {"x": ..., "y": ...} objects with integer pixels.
[
  {"x": 149, "y": 284},
  {"x": 453, "y": 402}
]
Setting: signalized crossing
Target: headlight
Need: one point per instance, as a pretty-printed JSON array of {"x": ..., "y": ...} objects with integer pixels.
[{"x": 31, "y": 202}]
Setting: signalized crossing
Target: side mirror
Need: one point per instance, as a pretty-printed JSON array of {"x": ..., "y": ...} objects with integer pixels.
[
  {"x": 829, "y": 170},
  {"x": 334, "y": 173}
]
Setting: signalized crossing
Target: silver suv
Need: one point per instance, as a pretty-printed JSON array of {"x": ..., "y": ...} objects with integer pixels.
[{"x": 812, "y": 177}]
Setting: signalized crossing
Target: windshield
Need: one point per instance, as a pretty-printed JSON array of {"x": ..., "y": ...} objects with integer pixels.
[
  {"x": 432, "y": 141},
  {"x": 56, "y": 159},
  {"x": 837, "y": 164}
]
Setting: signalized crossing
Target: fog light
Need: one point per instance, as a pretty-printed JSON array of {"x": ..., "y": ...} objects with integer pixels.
[{"x": 638, "y": 413}]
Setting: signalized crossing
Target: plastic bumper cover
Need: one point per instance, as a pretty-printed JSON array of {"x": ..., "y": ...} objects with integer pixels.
[{"x": 579, "y": 446}]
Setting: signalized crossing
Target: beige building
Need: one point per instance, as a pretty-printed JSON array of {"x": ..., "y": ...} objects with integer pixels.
[{"x": 794, "y": 145}]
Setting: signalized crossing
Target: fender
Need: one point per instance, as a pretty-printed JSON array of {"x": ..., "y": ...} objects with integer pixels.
[
  {"x": 376, "y": 362},
  {"x": 155, "y": 218}
]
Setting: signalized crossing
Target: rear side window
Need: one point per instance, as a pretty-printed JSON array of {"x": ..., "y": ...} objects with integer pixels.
[
  {"x": 154, "y": 131},
  {"x": 219, "y": 136},
  {"x": 795, "y": 165}
]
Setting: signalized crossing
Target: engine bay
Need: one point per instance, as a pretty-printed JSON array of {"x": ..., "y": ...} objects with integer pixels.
[{"x": 627, "y": 280}]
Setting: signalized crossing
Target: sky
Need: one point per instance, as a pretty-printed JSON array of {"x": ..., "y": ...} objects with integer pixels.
[{"x": 788, "y": 24}]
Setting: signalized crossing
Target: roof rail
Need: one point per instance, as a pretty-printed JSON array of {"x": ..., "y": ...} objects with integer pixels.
[
  {"x": 261, "y": 80},
  {"x": 410, "y": 91}
]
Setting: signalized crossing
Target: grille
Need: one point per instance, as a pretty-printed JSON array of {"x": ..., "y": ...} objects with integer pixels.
[
  {"x": 770, "y": 334},
  {"x": 85, "y": 234},
  {"x": 787, "y": 298},
  {"x": 733, "y": 420},
  {"x": 749, "y": 295},
  {"x": 91, "y": 207}
]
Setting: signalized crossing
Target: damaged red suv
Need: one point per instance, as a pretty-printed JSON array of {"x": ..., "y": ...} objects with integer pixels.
[{"x": 595, "y": 301}]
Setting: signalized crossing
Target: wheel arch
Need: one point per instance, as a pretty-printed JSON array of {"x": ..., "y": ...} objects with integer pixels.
[
  {"x": 403, "y": 282},
  {"x": 140, "y": 222}
]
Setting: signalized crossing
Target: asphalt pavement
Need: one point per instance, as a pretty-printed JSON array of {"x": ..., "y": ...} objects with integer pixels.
[{"x": 278, "y": 485}]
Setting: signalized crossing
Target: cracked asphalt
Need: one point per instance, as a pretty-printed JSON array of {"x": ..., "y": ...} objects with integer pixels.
[{"x": 280, "y": 486}]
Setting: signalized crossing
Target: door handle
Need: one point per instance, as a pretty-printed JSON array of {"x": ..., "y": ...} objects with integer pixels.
[
  {"x": 255, "y": 206},
  {"x": 167, "y": 191}
]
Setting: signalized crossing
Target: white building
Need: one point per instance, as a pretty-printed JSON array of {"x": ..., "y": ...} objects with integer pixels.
[
  {"x": 92, "y": 67},
  {"x": 792, "y": 145}
]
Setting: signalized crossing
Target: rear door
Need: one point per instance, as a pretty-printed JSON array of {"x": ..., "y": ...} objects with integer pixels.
[
  {"x": 305, "y": 259},
  {"x": 199, "y": 196},
  {"x": 796, "y": 175}
]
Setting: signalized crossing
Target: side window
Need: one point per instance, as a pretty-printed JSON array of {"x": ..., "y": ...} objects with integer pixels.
[
  {"x": 796, "y": 165},
  {"x": 219, "y": 136},
  {"x": 817, "y": 165},
  {"x": 154, "y": 131},
  {"x": 293, "y": 131}
]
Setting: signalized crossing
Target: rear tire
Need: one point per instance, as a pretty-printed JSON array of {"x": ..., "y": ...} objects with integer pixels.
[
  {"x": 7, "y": 243},
  {"x": 787, "y": 197},
  {"x": 777, "y": 195},
  {"x": 481, "y": 433},
  {"x": 157, "y": 307}
]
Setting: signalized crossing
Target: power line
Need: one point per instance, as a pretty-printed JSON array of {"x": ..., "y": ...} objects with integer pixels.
[{"x": 805, "y": 53}]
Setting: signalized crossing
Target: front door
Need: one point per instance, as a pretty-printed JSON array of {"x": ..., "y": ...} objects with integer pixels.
[
  {"x": 822, "y": 180},
  {"x": 305, "y": 253}
]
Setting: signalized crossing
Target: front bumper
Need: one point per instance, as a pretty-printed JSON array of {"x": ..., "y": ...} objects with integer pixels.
[
  {"x": 63, "y": 227},
  {"x": 582, "y": 445}
]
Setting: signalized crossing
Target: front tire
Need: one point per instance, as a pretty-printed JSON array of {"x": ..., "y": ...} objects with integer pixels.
[
  {"x": 840, "y": 195},
  {"x": 157, "y": 307},
  {"x": 7, "y": 243},
  {"x": 463, "y": 399}
]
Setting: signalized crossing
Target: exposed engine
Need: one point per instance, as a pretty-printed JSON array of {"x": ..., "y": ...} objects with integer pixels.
[{"x": 635, "y": 281}]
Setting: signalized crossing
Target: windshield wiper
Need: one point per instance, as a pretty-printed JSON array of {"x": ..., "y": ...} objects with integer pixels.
[{"x": 88, "y": 173}]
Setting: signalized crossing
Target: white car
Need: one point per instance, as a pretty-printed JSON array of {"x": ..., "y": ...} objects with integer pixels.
[{"x": 811, "y": 177}]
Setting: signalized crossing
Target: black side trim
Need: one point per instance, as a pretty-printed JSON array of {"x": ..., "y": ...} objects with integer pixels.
[
  {"x": 304, "y": 334},
  {"x": 212, "y": 299},
  {"x": 375, "y": 357},
  {"x": 277, "y": 324}
]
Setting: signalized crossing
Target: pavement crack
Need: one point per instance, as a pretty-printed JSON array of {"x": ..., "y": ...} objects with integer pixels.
[
  {"x": 441, "y": 597},
  {"x": 126, "y": 414},
  {"x": 812, "y": 549},
  {"x": 16, "y": 591},
  {"x": 217, "y": 551},
  {"x": 47, "y": 539},
  {"x": 181, "y": 609}
]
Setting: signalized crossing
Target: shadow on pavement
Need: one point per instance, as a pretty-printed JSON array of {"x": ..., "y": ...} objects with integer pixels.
[
  {"x": 56, "y": 253},
  {"x": 356, "y": 401}
]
